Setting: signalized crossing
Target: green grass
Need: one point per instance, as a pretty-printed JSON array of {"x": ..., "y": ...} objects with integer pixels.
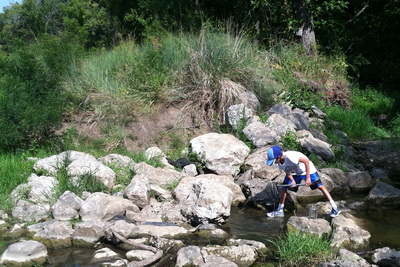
[
  {"x": 14, "y": 170},
  {"x": 305, "y": 79},
  {"x": 302, "y": 249},
  {"x": 371, "y": 101},
  {"x": 357, "y": 124}
]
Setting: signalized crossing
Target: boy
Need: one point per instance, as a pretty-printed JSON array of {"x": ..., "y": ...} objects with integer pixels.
[{"x": 297, "y": 167}]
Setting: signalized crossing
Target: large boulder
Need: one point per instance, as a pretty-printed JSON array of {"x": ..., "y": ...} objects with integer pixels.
[
  {"x": 77, "y": 164},
  {"x": 101, "y": 206},
  {"x": 348, "y": 234},
  {"x": 208, "y": 202},
  {"x": 384, "y": 193},
  {"x": 386, "y": 257},
  {"x": 53, "y": 234},
  {"x": 260, "y": 135},
  {"x": 238, "y": 114},
  {"x": 314, "y": 145},
  {"x": 159, "y": 176},
  {"x": 27, "y": 211},
  {"x": 67, "y": 206},
  {"x": 88, "y": 233},
  {"x": 24, "y": 254},
  {"x": 221, "y": 153},
  {"x": 185, "y": 186},
  {"x": 138, "y": 191},
  {"x": 319, "y": 227},
  {"x": 256, "y": 163}
]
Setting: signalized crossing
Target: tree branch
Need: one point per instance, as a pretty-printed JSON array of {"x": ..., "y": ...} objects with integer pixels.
[{"x": 359, "y": 13}]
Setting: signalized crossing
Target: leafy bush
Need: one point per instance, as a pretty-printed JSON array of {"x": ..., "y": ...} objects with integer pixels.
[
  {"x": 396, "y": 125},
  {"x": 31, "y": 102}
]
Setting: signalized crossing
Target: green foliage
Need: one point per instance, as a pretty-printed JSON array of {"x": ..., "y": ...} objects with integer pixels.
[
  {"x": 302, "y": 249},
  {"x": 372, "y": 101},
  {"x": 14, "y": 170},
  {"x": 238, "y": 132},
  {"x": 307, "y": 80},
  {"x": 290, "y": 142},
  {"x": 171, "y": 186},
  {"x": 355, "y": 123},
  {"x": 396, "y": 125},
  {"x": 77, "y": 184},
  {"x": 31, "y": 103}
]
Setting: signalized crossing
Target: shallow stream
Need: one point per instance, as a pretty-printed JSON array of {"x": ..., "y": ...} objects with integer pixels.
[{"x": 253, "y": 224}]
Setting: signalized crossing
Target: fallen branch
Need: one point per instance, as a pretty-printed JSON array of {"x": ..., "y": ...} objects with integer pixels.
[{"x": 158, "y": 253}]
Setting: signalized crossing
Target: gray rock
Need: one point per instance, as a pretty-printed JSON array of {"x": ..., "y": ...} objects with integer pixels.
[
  {"x": 348, "y": 234},
  {"x": 256, "y": 163},
  {"x": 222, "y": 153},
  {"x": 159, "y": 176},
  {"x": 138, "y": 191},
  {"x": 139, "y": 255},
  {"x": 67, "y": 206},
  {"x": 208, "y": 202},
  {"x": 359, "y": 181},
  {"x": 182, "y": 191},
  {"x": 159, "y": 229},
  {"x": 100, "y": 206},
  {"x": 24, "y": 253},
  {"x": 384, "y": 193},
  {"x": 386, "y": 257},
  {"x": 236, "y": 114},
  {"x": 88, "y": 233},
  {"x": 280, "y": 125},
  {"x": 260, "y": 135},
  {"x": 189, "y": 256},
  {"x": 27, "y": 211},
  {"x": 319, "y": 227},
  {"x": 315, "y": 146},
  {"x": 53, "y": 234}
]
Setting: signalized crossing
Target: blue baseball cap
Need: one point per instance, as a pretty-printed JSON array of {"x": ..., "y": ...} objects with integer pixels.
[{"x": 273, "y": 153}]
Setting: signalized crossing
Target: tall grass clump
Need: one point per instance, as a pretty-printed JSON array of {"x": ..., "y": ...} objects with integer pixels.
[
  {"x": 14, "y": 170},
  {"x": 208, "y": 71},
  {"x": 218, "y": 69},
  {"x": 302, "y": 249}
]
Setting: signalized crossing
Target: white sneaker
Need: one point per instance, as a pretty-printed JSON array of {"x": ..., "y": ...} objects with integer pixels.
[
  {"x": 276, "y": 213},
  {"x": 335, "y": 212}
]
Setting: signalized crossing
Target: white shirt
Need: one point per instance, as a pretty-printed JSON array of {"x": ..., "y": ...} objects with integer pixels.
[{"x": 293, "y": 166}]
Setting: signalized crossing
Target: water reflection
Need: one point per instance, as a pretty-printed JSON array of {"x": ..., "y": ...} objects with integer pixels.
[{"x": 253, "y": 224}]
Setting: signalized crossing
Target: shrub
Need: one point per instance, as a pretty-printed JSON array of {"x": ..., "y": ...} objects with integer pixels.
[{"x": 31, "y": 100}]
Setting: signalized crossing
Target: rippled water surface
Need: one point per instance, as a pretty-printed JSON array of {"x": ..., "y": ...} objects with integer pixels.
[{"x": 253, "y": 224}]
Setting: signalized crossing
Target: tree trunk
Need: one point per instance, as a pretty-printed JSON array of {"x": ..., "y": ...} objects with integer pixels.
[{"x": 306, "y": 31}]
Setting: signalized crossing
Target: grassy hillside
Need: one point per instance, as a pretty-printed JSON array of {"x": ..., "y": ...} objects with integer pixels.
[
  {"x": 134, "y": 83},
  {"x": 164, "y": 92}
]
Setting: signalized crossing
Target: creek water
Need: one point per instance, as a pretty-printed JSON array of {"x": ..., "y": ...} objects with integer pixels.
[{"x": 253, "y": 224}]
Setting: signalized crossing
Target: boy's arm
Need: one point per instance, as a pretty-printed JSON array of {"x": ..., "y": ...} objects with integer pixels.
[
  {"x": 307, "y": 165},
  {"x": 291, "y": 179}
]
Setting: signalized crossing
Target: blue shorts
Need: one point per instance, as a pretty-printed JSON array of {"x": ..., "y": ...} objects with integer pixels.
[{"x": 313, "y": 177}]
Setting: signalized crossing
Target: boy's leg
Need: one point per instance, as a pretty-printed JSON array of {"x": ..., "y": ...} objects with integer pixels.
[
  {"x": 278, "y": 212},
  {"x": 335, "y": 210}
]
